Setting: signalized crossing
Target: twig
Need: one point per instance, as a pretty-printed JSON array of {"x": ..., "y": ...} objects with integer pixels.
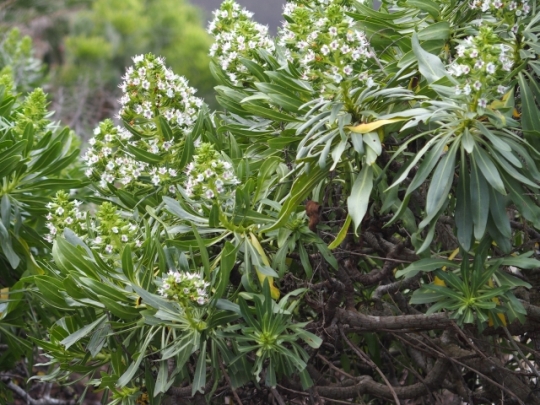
[
  {"x": 513, "y": 343},
  {"x": 460, "y": 363},
  {"x": 364, "y": 357},
  {"x": 338, "y": 370},
  {"x": 235, "y": 394},
  {"x": 325, "y": 398},
  {"x": 31, "y": 401},
  {"x": 277, "y": 396}
]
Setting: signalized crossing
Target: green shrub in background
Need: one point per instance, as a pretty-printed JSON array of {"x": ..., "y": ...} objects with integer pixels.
[
  {"x": 37, "y": 158},
  {"x": 107, "y": 35},
  {"x": 359, "y": 223},
  {"x": 18, "y": 61}
]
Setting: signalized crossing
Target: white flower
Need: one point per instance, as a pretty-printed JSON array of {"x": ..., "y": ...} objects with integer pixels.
[
  {"x": 482, "y": 103},
  {"x": 333, "y": 31},
  {"x": 501, "y": 89},
  {"x": 200, "y": 300},
  {"x": 59, "y": 211},
  {"x": 98, "y": 240},
  {"x": 477, "y": 85},
  {"x": 325, "y": 50},
  {"x": 490, "y": 68},
  {"x": 209, "y": 193},
  {"x": 68, "y": 220},
  {"x": 114, "y": 229},
  {"x": 109, "y": 248},
  {"x": 467, "y": 89}
]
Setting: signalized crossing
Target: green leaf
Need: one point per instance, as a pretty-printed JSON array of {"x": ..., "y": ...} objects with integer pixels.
[
  {"x": 490, "y": 172},
  {"x": 202, "y": 251},
  {"x": 304, "y": 258},
  {"x": 268, "y": 113},
  {"x": 134, "y": 366},
  {"x": 527, "y": 207},
  {"x": 47, "y": 156},
  {"x": 303, "y": 185},
  {"x": 120, "y": 310},
  {"x": 288, "y": 82},
  {"x": 357, "y": 202},
  {"x": 372, "y": 140},
  {"x": 9, "y": 164},
  {"x": 497, "y": 208},
  {"x": 438, "y": 30},
  {"x": 440, "y": 185},
  {"x": 530, "y": 116},
  {"x": 143, "y": 155},
  {"x": 164, "y": 128},
  {"x": 462, "y": 214},
  {"x": 521, "y": 262},
  {"x": 254, "y": 69},
  {"x": 341, "y": 234},
  {"x": 174, "y": 208},
  {"x": 50, "y": 184},
  {"x": 430, "y": 66},
  {"x": 50, "y": 288},
  {"x": 424, "y": 265},
  {"x": 81, "y": 333},
  {"x": 431, "y": 7},
  {"x": 479, "y": 201}
]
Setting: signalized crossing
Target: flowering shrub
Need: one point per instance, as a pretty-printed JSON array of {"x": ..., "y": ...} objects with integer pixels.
[
  {"x": 237, "y": 36},
  {"x": 159, "y": 110},
  {"x": 482, "y": 62},
  {"x": 184, "y": 287},
  {"x": 324, "y": 41},
  {"x": 209, "y": 177},
  {"x": 64, "y": 213},
  {"x": 369, "y": 189}
]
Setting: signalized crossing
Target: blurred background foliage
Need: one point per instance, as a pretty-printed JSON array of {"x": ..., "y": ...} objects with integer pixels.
[{"x": 87, "y": 44}]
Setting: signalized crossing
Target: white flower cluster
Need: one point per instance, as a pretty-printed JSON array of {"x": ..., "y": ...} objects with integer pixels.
[
  {"x": 120, "y": 156},
  {"x": 209, "y": 177},
  {"x": 481, "y": 63},
  {"x": 107, "y": 233},
  {"x": 322, "y": 39},
  {"x": 184, "y": 287},
  {"x": 151, "y": 89},
  {"x": 517, "y": 8},
  {"x": 237, "y": 36},
  {"x": 112, "y": 232},
  {"x": 64, "y": 213}
]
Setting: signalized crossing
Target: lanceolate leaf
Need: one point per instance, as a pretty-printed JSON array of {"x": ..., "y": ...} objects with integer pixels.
[
  {"x": 440, "y": 185},
  {"x": 357, "y": 203},
  {"x": 497, "y": 208},
  {"x": 489, "y": 170},
  {"x": 530, "y": 116},
  {"x": 463, "y": 206},
  {"x": 479, "y": 200},
  {"x": 430, "y": 66},
  {"x": 372, "y": 126}
]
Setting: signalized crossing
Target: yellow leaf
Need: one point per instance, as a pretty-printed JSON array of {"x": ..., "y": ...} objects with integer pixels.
[
  {"x": 437, "y": 280},
  {"x": 273, "y": 290},
  {"x": 372, "y": 126},
  {"x": 4, "y": 294},
  {"x": 341, "y": 235}
]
